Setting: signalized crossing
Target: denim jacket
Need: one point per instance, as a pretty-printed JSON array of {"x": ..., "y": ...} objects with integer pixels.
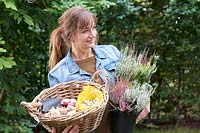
[{"x": 67, "y": 70}]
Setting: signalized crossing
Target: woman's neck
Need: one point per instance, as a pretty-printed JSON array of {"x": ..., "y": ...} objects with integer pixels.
[{"x": 82, "y": 54}]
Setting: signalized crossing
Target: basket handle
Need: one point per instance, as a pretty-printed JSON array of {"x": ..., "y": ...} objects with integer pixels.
[
  {"x": 29, "y": 108},
  {"x": 105, "y": 75}
]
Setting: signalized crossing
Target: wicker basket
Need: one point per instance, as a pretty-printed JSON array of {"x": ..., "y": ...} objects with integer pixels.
[{"x": 87, "y": 120}]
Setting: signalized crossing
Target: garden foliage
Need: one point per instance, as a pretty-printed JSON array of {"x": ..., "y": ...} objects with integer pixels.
[{"x": 170, "y": 27}]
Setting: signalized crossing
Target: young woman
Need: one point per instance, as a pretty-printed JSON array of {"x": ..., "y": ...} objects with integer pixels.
[{"x": 75, "y": 55}]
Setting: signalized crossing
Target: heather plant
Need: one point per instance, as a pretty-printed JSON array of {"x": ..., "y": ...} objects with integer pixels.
[
  {"x": 132, "y": 92},
  {"x": 133, "y": 66}
]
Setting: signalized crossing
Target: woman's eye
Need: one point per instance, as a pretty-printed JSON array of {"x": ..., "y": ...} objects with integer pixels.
[{"x": 85, "y": 30}]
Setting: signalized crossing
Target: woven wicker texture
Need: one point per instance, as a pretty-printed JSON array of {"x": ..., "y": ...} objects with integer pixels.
[{"x": 87, "y": 120}]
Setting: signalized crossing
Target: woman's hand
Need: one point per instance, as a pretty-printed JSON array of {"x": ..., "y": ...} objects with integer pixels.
[{"x": 69, "y": 129}]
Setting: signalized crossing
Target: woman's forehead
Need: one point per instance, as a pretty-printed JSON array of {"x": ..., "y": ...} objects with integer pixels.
[
  {"x": 89, "y": 26},
  {"x": 86, "y": 20}
]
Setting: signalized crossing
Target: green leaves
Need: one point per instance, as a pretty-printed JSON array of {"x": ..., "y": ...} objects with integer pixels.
[
  {"x": 170, "y": 27},
  {"x": 5, "y": 128},
  {"x": 28, "y": 20},
  {"x": 2, "y": 50},
  {"x": 10, "y": 4},
  {"x": 6, "y": 62},
  {"x": 22, "y": 15},
  {"x": 2, "y": 42}
]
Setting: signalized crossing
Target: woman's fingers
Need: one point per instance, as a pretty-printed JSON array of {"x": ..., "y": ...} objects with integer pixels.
[
  {"x": 71, "y": 129},
  {"x": 53, "y": 130},
  {"x": 67, "y": 129},
  {"x": 75, "y": 129}
]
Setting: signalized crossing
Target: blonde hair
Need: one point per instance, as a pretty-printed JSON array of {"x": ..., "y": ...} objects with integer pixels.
[{"x": 70, "y": 22}]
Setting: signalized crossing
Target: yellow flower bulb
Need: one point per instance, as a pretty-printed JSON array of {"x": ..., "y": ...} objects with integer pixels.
[{"x": 89, "y": 93}]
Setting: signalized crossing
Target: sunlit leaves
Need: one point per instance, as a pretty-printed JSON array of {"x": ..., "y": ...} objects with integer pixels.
[
  {"x": 28, "y": 19},
  {"x": 2, "y": 50},
  {"x": 5, "y": 62},
  {"x": 170, "y": 27},
  {"x": 22, "y": 15},
  {"x": 10, "y": 4}
]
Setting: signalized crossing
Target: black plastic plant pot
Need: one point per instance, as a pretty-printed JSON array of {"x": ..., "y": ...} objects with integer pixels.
[{"x": 123, "y": 122}]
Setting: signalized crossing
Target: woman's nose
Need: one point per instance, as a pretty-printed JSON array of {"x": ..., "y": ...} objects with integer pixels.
[{"x": 92, "y": 33}]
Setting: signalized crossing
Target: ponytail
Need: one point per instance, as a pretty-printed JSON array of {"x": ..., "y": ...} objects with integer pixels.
[{"x": 58, "y": 48}]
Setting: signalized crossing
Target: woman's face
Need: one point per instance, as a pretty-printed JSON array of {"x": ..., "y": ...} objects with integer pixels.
[{"x": 85, "y": 38}]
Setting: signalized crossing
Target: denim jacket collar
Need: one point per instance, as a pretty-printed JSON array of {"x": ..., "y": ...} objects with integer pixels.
[
  {"x": 67, "y": 70},
  {"x": 99, "y": 58},
  {"x": 74, "y": 68},
  {"x": 99, "y": 54}
]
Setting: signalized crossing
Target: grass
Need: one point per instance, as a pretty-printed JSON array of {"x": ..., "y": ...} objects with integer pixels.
[{"x": 178, "y": 130}]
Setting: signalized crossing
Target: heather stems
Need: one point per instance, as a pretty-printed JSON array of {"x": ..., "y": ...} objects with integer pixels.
[
  {"x": 136, "y": 67},
  {"x": 131, "y": 92}
]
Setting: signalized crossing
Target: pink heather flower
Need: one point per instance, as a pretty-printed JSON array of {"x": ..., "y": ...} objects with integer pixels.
[{"x": 132, "y": 71}]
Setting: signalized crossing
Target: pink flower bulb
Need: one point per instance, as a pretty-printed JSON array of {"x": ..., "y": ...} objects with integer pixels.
[{"x": 65, "y": 102}]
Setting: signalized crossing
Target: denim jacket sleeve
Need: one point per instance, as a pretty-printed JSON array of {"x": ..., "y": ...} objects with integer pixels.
[{"x": 66, "y": 70}]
